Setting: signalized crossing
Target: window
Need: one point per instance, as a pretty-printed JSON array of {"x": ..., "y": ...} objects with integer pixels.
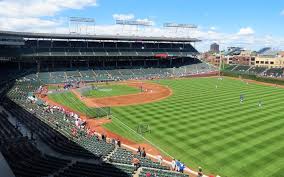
[
  {"x": 271, "y": 62},
  {"x": 261, "y": 62},
  {"x": 257, "y": 62},
  {"x": 266, "y": 62}
]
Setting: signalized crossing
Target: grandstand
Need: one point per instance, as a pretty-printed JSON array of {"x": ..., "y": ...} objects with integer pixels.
[
  {"x": 58, "y": 58},
  {"x": 39, "y": 143}
]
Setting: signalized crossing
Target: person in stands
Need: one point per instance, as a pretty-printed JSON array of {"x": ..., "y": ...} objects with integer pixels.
[
  {"x": 103, "y": 137},
  {"x": 160, "y": 159},
  {"x": 143, "y": 153},
  {"x": 181, "y": 167},
  {"x": 139, "y": 151},
  {"x": 199, "y": 174},
  {"x": 173, "y": 165},
  {"x": 118, "y": 143},
  {"x": 136, "y": 163},
  {"x": 148, "y": 174},
  {"x": 177, "y": 165}
]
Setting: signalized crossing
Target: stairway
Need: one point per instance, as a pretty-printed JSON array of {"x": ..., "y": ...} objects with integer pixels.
[
  {"x": 106, "y": 158},
  {"x": 62, "y": 169},
  {"x": 234, "y": 67}
]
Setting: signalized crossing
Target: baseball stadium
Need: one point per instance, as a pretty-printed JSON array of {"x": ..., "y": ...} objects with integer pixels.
[{"x": 119, "y": 106}]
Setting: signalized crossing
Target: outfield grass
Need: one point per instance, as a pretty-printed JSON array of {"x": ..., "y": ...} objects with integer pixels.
[
  {"x": 207, "y": 126},
  {"x": 53, "y": 87},
  {"x": 111, "y": 90},
  {"x": 68, "y": 99}
]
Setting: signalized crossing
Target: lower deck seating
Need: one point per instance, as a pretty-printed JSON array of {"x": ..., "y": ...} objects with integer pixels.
[
  {"x": 161, "y": 173},
  {"x": 125, "y": 73},
  {"x": 7, "y": 131},
  {"x": 27, "y": 161},
  {"x": 81, "y": 169},
  {"x": 124, "y": 156},
  {"x": 54, "y": 139}
]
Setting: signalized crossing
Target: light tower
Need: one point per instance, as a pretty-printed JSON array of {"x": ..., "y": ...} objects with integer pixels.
[
  {"x": 136, "y": 23},
  {"x": 78, "y": 25},
  {"x": 180, "y": 28}
]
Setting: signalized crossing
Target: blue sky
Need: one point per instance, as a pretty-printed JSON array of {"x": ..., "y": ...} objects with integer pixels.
[
  {"x": 251, "y": 24},
  {"x": 229, "y": 16}
]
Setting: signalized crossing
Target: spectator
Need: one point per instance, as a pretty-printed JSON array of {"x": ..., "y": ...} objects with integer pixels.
[
  {"x": 177, "y": 165},
  {"x": 136, "y": 163},
  {"x": 139, "y": 151},
  {"x": 173, "y": 165},
  {"x": 113, "y": 141},
  {"x": 143, "y": 153},
  {"x": 118, "y": 143},
  {"x": 200, "y": 174},
  {"x": 181, "y": 167},
  {"x": 160, "y": 159},
  {"x": 148, "y": 174}
]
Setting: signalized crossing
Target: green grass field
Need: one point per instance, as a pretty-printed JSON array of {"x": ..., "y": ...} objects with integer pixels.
[
  {"x": 111, "y": 90},
  {"x": 209, "y": 127},
  {"x": 68, "y": 99},
  {"x": 53, "y": 87}
]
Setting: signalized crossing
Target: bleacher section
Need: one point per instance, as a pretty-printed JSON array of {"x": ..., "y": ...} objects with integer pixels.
[
  {"x": 256, "y": 70},
  {"x": 241, "y": 68},
  {"x": 274, "y": 72},
  {"x": 261, "y": 71}
]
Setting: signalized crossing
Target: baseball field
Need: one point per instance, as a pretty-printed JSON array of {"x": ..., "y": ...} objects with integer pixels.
[
  {"x": 70, "y": 100},
  {"x": 110, "y": 90},
  {"x": 203, "y": 123}
]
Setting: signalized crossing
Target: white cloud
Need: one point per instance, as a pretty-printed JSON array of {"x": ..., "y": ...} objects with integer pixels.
[
  {"x": 123, "y": 16},
  {"x": 38, "y": 8},
  {"x": 282, "y": 13},
  {"x": 132, "y": 17},
  {"x": 246, "y": 31},
  {"x": 27, "y": 15}
]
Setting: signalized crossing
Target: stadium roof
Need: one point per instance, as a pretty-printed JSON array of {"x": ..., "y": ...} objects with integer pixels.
[{"x": 96, "y": 37}]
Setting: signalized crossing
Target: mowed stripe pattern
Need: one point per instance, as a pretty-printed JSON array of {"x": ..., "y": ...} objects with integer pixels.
[
  {"x": 70, "y": 100},
  {"x": 204, "y": 124},
  {"x": 110, "y": 90}
]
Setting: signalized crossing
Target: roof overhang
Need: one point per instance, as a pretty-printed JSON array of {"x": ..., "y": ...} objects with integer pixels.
[{"x": 97, "y": 37}]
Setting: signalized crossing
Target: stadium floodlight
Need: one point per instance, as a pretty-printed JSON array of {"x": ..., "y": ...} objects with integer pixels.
[
  {"x": 176, "y": 25},
  {"x": 136, "y": 23},
  {"x": 85, "y": 20},
  {"x": 133, "y": 22},
  {"x": 79, "y": 24},
  {"x": 180, "y": 27}
]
